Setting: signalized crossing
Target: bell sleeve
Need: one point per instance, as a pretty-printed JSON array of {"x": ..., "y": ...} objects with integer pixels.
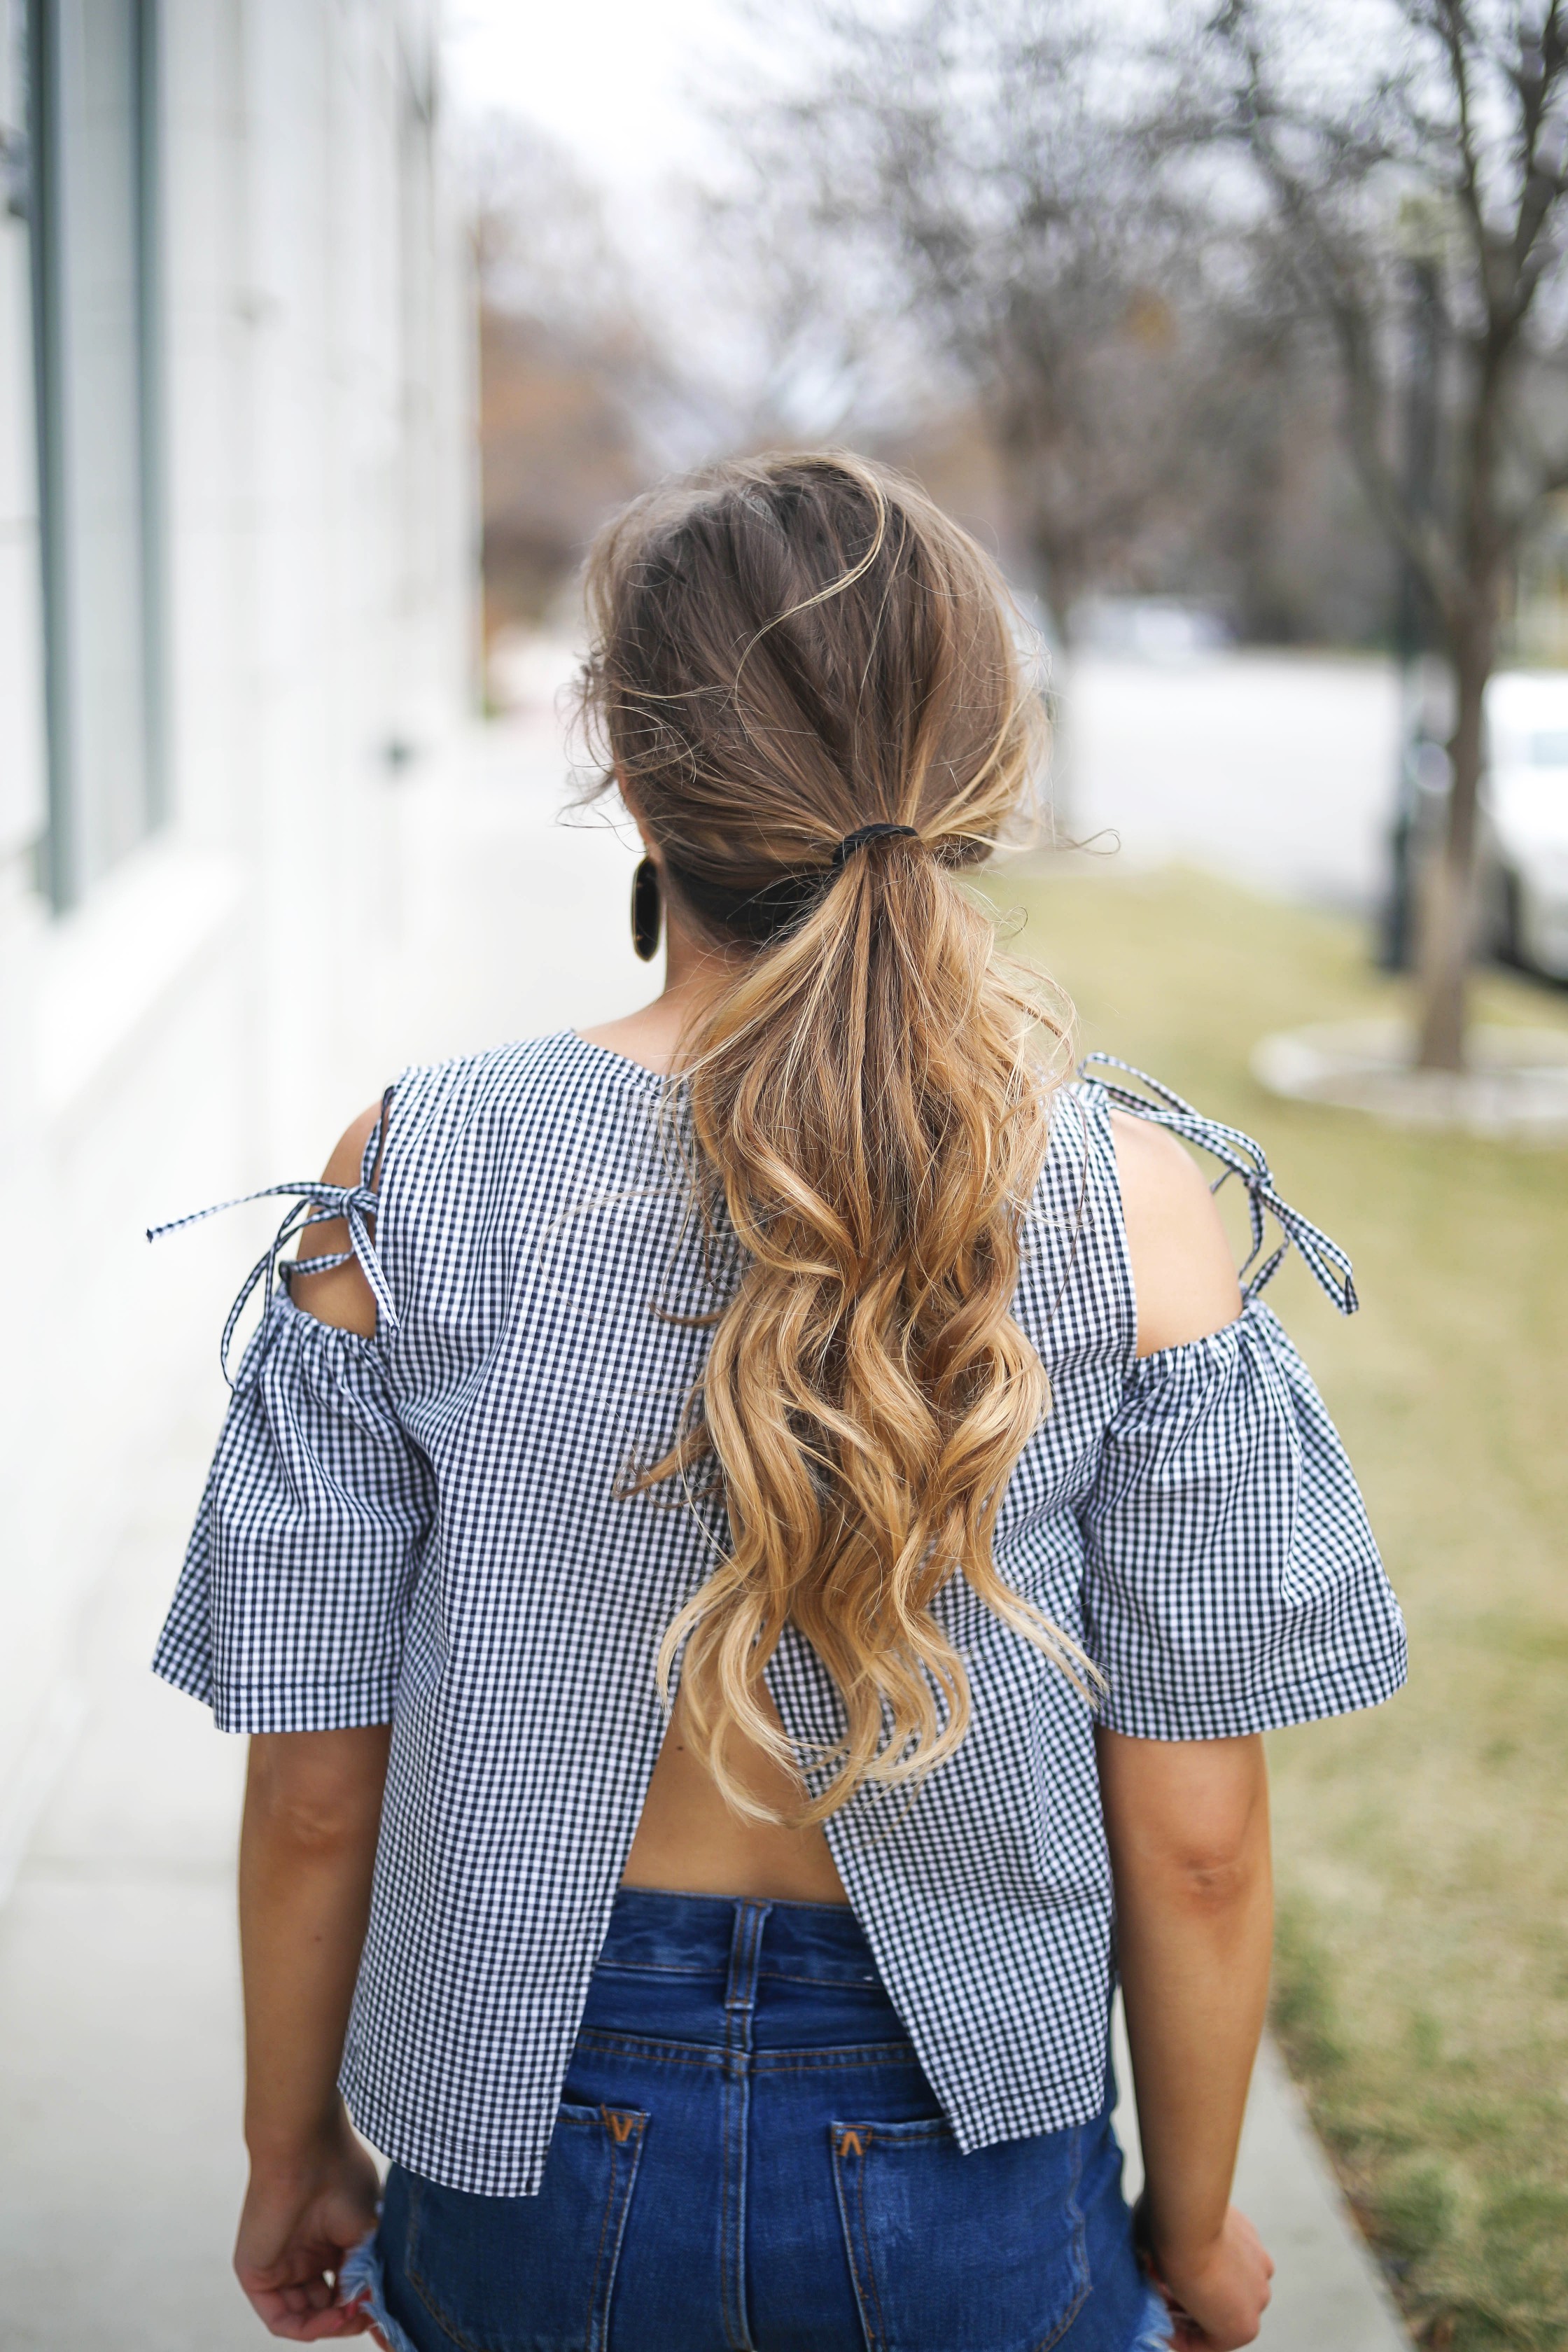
[
  {"x": 291, "y": 1609},
  {"x": 1231, "y": 1581}
]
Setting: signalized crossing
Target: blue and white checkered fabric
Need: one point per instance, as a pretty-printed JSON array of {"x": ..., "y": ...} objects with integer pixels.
[{"x": 427, "y": 1528}]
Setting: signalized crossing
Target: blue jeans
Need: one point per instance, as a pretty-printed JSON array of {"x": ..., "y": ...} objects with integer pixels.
[{"x": 748, "y": 2155}]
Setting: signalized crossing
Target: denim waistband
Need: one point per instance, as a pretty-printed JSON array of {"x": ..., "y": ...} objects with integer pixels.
[{"x": 695, "y": 1934}]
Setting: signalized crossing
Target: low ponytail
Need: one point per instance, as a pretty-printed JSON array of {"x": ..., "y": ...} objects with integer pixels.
[{"x": 789, "y": 652}]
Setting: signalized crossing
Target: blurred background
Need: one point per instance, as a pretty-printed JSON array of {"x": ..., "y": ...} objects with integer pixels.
[{"x": 328, "y": 334}]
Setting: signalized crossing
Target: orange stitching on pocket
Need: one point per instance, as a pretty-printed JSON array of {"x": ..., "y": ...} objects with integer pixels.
[
  {"x": 847, "y": 2140},
  {"x": 622, "y": 2128},
  {"x": 866, "y": 2241},
  {"x": 854, "y": 2140}
]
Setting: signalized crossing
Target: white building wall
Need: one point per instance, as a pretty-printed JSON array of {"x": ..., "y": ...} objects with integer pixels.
[
  {"x": 209, "y": 1017},
  {"x": 22, "y": 1514}
]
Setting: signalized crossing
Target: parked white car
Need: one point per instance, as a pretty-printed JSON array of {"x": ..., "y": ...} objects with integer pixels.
[{"x": 1527, "y": 812}]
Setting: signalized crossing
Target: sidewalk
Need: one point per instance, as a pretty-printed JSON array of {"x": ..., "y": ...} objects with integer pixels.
[
  {"x": 119, "y": 2160},
  {"x": 120, "y": 2167}
]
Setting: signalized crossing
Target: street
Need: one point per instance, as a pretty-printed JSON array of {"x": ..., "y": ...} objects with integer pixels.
[{"x": 1277, "y": 769}]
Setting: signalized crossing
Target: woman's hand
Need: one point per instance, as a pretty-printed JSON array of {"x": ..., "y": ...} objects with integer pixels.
[
  {"x": 299, "y": 2222},
  {"x": 1218, "y": 2297}
]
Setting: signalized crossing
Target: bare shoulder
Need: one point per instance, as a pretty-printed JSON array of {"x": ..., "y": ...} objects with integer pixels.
[
  {"x": 341, "y": 1295},
  {"x": 1183, "y": 1272},
  {"x": 347, "y": 1155}
]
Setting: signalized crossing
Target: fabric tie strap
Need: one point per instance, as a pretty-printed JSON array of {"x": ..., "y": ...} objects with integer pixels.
[
  {"x": 315, "y": 1204},
  {"x": 1239, "y": 1155}
]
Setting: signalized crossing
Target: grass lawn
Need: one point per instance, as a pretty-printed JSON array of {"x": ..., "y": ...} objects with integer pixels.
[{"x": 1422, "y": 1967}]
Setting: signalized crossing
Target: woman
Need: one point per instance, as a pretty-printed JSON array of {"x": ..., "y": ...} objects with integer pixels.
[{"x": 758, "y": 1533}]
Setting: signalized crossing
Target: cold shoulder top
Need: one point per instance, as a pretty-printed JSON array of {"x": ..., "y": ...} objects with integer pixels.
[{"x": 427, "y": 1528}]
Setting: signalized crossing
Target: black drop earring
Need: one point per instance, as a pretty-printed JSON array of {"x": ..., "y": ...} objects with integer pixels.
[{"x": 645, "y": 910}]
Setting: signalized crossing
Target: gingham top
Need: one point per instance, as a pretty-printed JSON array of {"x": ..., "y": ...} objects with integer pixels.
[{"x": 427, "y": 1528}]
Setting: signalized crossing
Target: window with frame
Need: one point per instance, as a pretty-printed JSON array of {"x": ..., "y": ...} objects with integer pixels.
[{"x": 92, "y": 125}]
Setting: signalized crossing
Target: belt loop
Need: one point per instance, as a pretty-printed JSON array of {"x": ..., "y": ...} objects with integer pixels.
[
  {"x": 745, "y": 1951},
  {"x": 739, "y": 2002}
]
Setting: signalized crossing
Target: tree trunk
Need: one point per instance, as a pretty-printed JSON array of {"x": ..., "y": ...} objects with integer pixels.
[
  {"x": 1447, "y": 928},
  {"x": 1059, "y": 591},
  {"x": 1061, "y": 796}
]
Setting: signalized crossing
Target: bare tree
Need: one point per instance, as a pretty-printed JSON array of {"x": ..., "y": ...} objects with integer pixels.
[
  {"x": 1438, "y": 130},
  {"x": 972, "y": 172},
  {"x": 543, "y": 246},
  {"x": 588, "y": 393}
]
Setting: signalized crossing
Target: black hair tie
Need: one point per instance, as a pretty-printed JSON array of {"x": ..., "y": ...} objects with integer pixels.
[
  {"x": 854, "y": 841},
  {"x": 768, "y": 912}
]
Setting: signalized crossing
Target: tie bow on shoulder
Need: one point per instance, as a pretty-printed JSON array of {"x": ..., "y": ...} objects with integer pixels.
[{"x": 1239, "y": 1155}]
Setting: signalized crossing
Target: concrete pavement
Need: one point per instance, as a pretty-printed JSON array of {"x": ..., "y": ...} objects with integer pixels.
[{"x": 119, "y": 2160}]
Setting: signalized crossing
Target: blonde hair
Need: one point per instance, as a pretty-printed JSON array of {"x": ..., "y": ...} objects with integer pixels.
[{"x": 784, "y": 650}]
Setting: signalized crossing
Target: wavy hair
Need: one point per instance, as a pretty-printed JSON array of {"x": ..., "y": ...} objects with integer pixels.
[{"x": 784, "y": 650}]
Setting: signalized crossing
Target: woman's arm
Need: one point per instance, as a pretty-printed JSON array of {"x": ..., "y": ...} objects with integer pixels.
[
  {"x": 312, "y": 1809},
  {"x": 1188, "y": 1826}
]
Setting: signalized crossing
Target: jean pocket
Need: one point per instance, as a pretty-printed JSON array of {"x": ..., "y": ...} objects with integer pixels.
[
  {"x": 961, "y": 2253},
  {"x": 531, "y": 2274}
]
